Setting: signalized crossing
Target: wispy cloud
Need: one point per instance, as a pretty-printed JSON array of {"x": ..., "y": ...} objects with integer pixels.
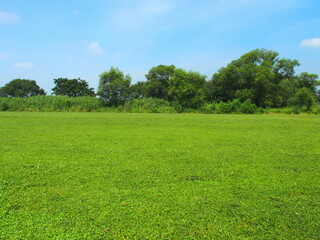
[
  {"x": 24, "y": 65},
  {"x": 312, "y": 42},
  {"x": 2, "y": 55},
  {"x": 94, "y": 48},
  {"x": 230, "y": 13},
  {"x": 138, "y": 16},
  {"x": 8, "y": 17}
]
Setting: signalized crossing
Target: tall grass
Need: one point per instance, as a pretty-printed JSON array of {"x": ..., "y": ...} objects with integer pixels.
[
  {"x": 148, "y": 105},
  {"x": 52, "y": 103},
  {"x": 145, "y": 105}
]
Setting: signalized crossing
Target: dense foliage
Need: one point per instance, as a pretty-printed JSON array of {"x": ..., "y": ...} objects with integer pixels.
[
  {"x": 21, "y": 88},
  {"x": 72, "y": 87},
  {"x": 114, "y": 86},
  {"x": 262, "y": 77},
  {"x": 259, "y": 78},
  {"x": 157, "y": 84},
  {"x": 51, "y": 103}
]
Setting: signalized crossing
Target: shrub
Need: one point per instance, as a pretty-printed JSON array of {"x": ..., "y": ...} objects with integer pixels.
[
  {"x": 304, "y": 99},
  {"x": 229, "y": 107},
  {"x": 248, "y": 107},
  {"x": 4, "y": 107},
  {"x": 208, "y": 108},
  {"x": 296, "y": 110},
  {"x": 148, "y": 105},
  {"x": 236, "y": 106},
  {"x": 177, "y": 106}
]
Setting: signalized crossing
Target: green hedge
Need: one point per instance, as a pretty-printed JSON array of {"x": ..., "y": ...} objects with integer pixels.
[{"x": 145, "y": 105}]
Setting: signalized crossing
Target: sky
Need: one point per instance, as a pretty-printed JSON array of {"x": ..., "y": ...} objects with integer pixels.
[{"x": 44, "y": 40}]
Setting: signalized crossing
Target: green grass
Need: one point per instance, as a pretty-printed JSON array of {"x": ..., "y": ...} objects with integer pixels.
[{"x": 159, "y": 176}]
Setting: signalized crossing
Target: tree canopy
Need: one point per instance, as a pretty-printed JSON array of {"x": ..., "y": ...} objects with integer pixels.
[
  {"x": 21, "y": 88},
  {"x": 72, "y": 87},
  {"x": 187, "y": 88},
  {"x": 114, "y": 86},
  {"x": 259, "y": 75},
  {"x": 157, "y": 84}
]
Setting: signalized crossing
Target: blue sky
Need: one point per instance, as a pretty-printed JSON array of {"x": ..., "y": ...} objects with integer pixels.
[{"x": 43, "y": 40}]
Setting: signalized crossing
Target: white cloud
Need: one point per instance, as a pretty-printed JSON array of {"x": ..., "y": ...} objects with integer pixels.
[
  {"x": 94, "y": 48},
  {"x": 2, "y": 56},
  {"x": 8, "y": 17},
  {"x": 24, "y": 65},
  {"x": 312, "y": 42}
]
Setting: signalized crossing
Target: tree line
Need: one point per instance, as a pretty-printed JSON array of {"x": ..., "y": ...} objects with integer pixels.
[{"x": 259, "y": 77}]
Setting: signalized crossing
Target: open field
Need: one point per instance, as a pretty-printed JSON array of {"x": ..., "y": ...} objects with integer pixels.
[{"x": 159, "y": 176}]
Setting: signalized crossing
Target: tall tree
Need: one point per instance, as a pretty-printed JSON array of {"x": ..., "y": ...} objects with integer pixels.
[
  {"x": 318, "y": 95},
  {"x": 309, "y": 81},
  {"x": 304, "y": 98},
  {"x": 114, "y": 86},
  {"x": 257, "y": 73},
  {"x": 72, "y": 87},
  {"x": 187, "y": 88},
  {"x": 157, "y": 84},
  {"x": 21, "y": 88},
  {"x": 137, "y": 90}
]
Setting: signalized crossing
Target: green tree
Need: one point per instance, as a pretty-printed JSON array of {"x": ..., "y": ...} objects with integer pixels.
[
  {"x": 244, "y": 94},
  {"x": 21, "y": 88},
  {"x": 187, "y": 88},
  {"x": 257, "y": 73},
  {"x": 318, "y": 95},
  {"x": 137, "y": 91},
  {"x": 157, "y": 84},
  {"x": 114, "y": 86},
  {"x": 304, "y": 98},
  {"x": 287, "y": 89},
  {"x": 308, "y": 80},
  {"x": 72, "y": 87}
]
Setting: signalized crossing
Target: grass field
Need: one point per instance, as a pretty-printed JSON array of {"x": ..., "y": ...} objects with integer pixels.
[{"x": 159, "y": 176}]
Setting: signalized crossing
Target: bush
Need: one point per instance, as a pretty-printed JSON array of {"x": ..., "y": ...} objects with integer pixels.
[
  {"x": 229, "y": 107},
  {"x": 304, "y": 99},
  {"x": 296, "y": 110},
  {"x": 148, "y": 105},
  {"x": 248, "y": 107},
  {"x": 4, "y": 107},
  {"x": 236, "y": 106},
  {"x": 208, "y": 108},
  {"x": 224, "y": 107},
  {"x": 177, "y": 106}
]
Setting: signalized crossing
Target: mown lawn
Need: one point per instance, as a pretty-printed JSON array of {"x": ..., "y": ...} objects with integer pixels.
[{"x": 159, "y": 176}]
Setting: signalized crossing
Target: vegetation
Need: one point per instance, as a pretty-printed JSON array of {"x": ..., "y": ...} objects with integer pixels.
[
  {"x": 157, "y": 84},
  {"x": 114, "y": 87},
  {"x": 51, "y": 103},
  {"x": 21, "y": 88},
  {"x": 262, "y": 77},
  {"x": 149, "y": 105},
  {"x": 72, "y": 87},
  {"x": 304, "y": 99},
  {"x": 159, "y": 176},
  {"x": 258, "y": 79},
  {"x": 186, "y": 88},
  {"x": 144, "y": 105}
]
